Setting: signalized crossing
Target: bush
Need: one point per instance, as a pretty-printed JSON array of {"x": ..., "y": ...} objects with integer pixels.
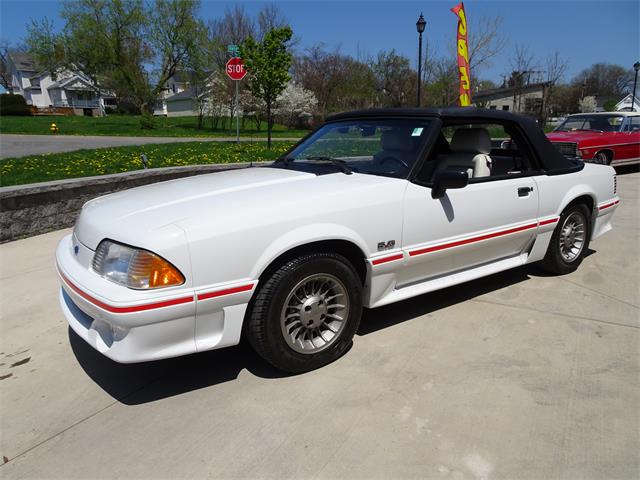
[
  {"x": 11, "y": 104},
  {"x": 147, "y": 122}
]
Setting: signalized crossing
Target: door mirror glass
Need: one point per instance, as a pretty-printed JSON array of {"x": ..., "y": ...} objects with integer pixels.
[{"x": 449, "y": 178}]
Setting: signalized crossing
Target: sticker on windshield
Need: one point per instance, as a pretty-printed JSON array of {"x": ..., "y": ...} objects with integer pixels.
[{"x": 417, "y": 132}]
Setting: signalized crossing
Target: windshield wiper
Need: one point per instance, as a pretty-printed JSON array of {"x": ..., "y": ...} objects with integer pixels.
[{"x": 341, "y": 164}]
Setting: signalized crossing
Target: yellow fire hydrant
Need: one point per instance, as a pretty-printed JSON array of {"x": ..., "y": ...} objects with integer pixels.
[{"x": 54, "y": 128}]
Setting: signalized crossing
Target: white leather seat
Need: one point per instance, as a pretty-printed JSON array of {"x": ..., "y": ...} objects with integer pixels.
[
  {"x": 470, "y": 148},
  {"x": 398, "y": 144}
]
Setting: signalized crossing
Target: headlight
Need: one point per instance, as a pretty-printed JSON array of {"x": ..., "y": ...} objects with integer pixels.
[{"x": 134, "y": 267}]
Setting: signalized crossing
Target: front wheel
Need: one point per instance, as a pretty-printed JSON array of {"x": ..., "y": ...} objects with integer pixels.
[
  {"x": 306, "y": 313},
  {"x": 602, "y": 158},
  {"x": 569, "y": 241}
]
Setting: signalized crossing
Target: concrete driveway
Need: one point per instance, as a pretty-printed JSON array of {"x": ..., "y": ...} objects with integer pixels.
[
  {"x": 519, "y": 375},
  {"x": 22, "y": 145}
]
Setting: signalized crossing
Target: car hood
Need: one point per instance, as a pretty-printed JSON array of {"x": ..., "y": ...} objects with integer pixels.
[
  {"x": 576, "y": 136},
  {"x": 147, "y": 216}
]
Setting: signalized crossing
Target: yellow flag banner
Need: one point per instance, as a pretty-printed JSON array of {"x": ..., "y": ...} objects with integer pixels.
[{"x": 464, "y": 96}]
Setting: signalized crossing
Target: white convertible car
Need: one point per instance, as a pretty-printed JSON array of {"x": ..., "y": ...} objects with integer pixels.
[{"x": 372, "y": 208}]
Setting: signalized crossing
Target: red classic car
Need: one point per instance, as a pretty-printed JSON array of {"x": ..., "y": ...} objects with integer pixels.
[{"x": 610, "y": 138}]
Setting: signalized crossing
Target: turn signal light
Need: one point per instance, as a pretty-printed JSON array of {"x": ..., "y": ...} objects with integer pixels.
[
  {"x": 134, "y": 267},
  {"x": 151, "y": 271}
]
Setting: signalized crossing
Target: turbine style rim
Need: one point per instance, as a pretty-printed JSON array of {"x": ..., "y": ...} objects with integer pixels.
[
  {"x": 572, "y": 237},
  {"x": 314, "y": 313}
]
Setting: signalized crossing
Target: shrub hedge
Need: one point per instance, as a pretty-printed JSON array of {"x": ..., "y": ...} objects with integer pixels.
[{"x": 11, "y": 104}]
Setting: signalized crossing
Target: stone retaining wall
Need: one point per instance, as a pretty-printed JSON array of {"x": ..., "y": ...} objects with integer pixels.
[{"x": 27, "y": 210}]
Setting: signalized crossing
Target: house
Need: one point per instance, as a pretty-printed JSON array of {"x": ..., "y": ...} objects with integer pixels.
[
  {"x": 181, "y": 104},
  {"x": 178, "y": 83},
  {"x": 68, "y": 91},
  {"x": 625, "y": 105},
  {"x": 520, "y": 98}
]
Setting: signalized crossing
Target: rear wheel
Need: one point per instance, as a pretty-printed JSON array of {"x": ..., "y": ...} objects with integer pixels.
[
  {"x": 602, "y": 158},
  {"x": 306, "y": 313},
  {"x": 569, "y": 241}
]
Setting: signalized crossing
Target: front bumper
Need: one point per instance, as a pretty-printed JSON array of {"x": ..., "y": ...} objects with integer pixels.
[{"x": 134, "y": 326}]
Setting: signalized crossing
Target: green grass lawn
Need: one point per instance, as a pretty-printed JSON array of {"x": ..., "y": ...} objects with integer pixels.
[
  {"x": 101, "y": 161},
  {"x": 129, "y": 125}
]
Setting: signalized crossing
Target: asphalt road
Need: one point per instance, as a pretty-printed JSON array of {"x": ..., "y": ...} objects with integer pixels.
[
  {"x": 22, "y": 145},
  {"x": 518, "y": 375}
]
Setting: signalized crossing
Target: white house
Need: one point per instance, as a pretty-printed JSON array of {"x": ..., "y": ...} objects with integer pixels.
[
  {"x": 625, "y": 105},
  {"x": 178, "y": 83},
  {"x": 527, "y": 98},
  {"x": 67, "y": 91}
]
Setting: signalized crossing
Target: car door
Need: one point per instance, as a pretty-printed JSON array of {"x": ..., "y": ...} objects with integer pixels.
[
  {"x": 629, "y": 140},
  {"x": 491, "y": 219}
]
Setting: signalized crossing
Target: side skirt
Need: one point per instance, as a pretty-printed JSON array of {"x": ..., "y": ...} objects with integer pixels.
[{"x": 448, "y": 280}]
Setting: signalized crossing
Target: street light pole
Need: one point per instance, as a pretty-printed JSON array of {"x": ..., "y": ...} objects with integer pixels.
[
  {"x": 636, "y": 67},
  {"x": 420, "y": 25}
]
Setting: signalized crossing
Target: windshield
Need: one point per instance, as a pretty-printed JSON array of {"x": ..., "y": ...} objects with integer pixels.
[
  {"x": 376, "y": 147},
  {"x": 597, "y": 123}
]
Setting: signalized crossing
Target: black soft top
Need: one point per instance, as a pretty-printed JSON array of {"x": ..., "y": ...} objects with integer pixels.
[{"x": 550, "y": 158}]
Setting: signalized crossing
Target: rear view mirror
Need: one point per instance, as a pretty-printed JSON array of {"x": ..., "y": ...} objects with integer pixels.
[{"x": 446, "y": 179}]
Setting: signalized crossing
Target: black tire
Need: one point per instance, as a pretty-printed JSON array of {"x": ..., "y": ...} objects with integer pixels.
[
  {"x": 553, "y": 260},
  {"x": 602, "y": 158},
  {"x": 263, "y": 329}
]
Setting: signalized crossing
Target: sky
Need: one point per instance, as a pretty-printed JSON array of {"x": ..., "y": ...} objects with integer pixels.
[{"x": 584, "y": 32}]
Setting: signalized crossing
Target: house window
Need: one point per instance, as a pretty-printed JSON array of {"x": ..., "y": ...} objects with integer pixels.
[
  {"x": 493, "y": 107},
  {"x": 505, "y": 108}
]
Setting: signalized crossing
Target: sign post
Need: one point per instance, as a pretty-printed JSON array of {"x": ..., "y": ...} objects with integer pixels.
[{"x": 236, "y": 72}]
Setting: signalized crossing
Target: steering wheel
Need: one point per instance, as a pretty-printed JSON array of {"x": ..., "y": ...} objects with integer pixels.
[{"x": 395, "y": 159}]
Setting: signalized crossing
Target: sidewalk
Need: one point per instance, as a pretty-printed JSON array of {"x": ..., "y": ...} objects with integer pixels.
[{"x": 13, "y": 145}]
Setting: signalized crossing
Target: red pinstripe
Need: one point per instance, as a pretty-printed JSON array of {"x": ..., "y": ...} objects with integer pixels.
[
  {"x": 547, "y": 222},
  {"x": 228, "y": 291},
  {"x": 392, "y": 258},
  {"x": 608, "y": 205},
  {"x": 435, "y": 248},
  {"x": 131, "y": 309}
]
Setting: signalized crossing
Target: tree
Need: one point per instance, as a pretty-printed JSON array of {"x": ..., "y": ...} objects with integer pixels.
[
  {"x": 5, "y": 74},
  {"x": 556, "y": 67},
  {"x": 395, "y": 80},
  {"x": 130, "y": 46},
  {"x": 293, "y": 102},
  {"x": 267, "y": 62},
  {"x": 338, "y": 81},
  {"x": 269, "y": 18},
  {"x": 174, "y": 34},
  {"x": 606, "y": 80},
  {"x": 46, "y": 46},
  {"x": 523, "y": 62},
  {"x": 104, "y": 40},
  {"x": 198, "y": 68},
  {"x": 445, "y": 88},
  {"x": 485, "y": 42},
  {"x": 588, "y": 104},
  {"x": 232, "y": 29}
]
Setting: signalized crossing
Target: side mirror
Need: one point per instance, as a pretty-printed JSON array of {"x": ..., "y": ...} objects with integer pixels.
[{"x": 449, "y": 179}]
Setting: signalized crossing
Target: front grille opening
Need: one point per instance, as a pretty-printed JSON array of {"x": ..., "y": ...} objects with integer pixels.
[{"x": 568, "y": 149}]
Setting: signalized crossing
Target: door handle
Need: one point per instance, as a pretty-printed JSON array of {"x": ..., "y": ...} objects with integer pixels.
[{"x": 524, "y": 191}]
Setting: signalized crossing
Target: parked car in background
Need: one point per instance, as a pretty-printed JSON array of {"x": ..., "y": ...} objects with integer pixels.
[
  {"x": 608, "y": 138},
  {"x": 555, "y": 121},
  {"x": 374, "y": 207}
]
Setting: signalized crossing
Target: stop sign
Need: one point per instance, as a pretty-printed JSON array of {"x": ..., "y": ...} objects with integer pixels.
[{"x": 235, "y": 69}]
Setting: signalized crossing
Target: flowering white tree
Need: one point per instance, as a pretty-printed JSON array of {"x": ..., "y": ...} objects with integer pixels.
[
  {"x": 588, "y": 104},
  {"x": 295, "y": 102}
]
